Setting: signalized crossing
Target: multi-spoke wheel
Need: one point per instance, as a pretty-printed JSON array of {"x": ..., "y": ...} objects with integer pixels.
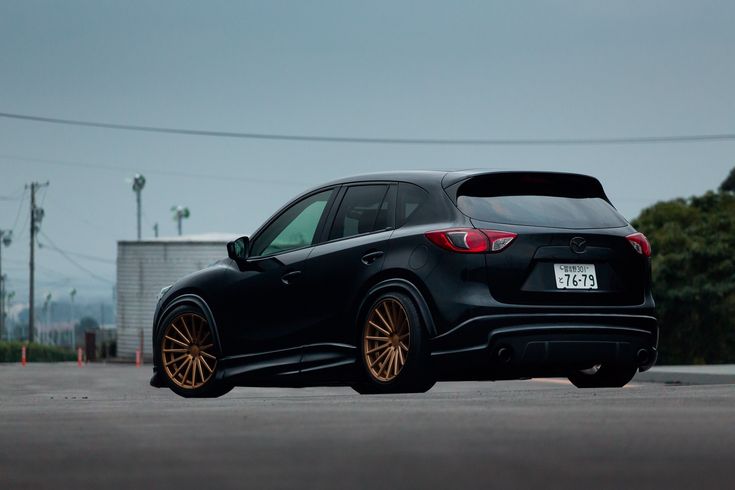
[
  {"x": 386, "y": 339},
  {"x": 394, "y": 352},
  {"x": 188, "y": 351},
  {"x": 187, "y": 354}
]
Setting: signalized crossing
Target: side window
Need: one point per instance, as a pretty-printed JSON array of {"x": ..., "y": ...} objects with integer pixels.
[
  {"x": 294, "y": 228},
  {"x": 411, "y": 203},
  {"x": 363, "y": 209}
]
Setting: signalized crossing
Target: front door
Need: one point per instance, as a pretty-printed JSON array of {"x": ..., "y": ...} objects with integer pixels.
[{"x": 271, "y": 295}]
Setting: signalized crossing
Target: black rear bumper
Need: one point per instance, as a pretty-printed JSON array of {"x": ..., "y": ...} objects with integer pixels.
[{"x": 528, "y": 345}]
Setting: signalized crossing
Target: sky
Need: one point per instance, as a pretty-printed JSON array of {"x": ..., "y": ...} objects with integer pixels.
[{"x": 428, "y": 69}]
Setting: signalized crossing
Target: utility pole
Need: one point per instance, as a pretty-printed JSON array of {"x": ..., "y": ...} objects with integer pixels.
[
  {"x": 36, "y": 218},
  {"x": 180, "y": 213},
  {"x": 138, "y": 184},
  {"x": 5, "y": 239}
]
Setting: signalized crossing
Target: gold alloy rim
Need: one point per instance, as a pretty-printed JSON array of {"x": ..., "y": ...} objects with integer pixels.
[
  {"x": 386, "y": 339},
  {"x": 188, "y": 351}
]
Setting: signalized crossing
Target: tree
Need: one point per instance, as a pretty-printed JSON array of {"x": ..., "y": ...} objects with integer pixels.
[
  {"x": 693, "y": 264},
  {"x": 728, "y": 185}
]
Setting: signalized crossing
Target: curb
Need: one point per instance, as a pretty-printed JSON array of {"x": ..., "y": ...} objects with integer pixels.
[{"x": 719, "y": 374}]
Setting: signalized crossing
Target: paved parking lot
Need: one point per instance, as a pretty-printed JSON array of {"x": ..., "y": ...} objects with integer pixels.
[{"x": 101, "y": 426}]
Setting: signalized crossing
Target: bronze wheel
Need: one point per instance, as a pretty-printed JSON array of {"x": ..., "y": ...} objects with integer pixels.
[
  {"x": 187, "y": 351},
  {"x": 386, "y": 339}
]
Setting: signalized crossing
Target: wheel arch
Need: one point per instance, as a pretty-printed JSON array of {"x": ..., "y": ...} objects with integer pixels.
[
  {"x": 190, "y": 298},
  {"x": 404, "y": 283}
]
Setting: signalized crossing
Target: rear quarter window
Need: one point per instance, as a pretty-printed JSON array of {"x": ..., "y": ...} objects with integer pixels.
[
  {"x": 411, "y": 205},
  {"x": 553, "y": 200}
]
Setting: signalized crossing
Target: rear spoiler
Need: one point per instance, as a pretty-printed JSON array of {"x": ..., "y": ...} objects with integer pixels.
[{"x": 493, "y": 184}]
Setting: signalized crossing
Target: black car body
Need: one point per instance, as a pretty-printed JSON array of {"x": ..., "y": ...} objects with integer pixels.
[{"x": 472, "y": 258}]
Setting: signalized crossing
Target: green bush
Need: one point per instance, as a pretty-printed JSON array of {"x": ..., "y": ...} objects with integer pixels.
[
  {"x": 11, "y": 351},
  {"x": 693, "y": 263}
]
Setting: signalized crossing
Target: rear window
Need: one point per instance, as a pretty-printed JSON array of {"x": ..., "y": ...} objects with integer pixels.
[{"x": 554, "y": 200}]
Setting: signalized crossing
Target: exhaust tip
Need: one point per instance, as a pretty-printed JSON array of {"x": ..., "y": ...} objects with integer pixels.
[
  {"x": 505, "y": 354},
  {"x": 643, "y": 356}
]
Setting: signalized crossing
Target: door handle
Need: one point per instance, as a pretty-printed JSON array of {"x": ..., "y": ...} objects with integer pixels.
[
  {"x": 290, "y": 277},
  {"x": 371, "y": 257}
]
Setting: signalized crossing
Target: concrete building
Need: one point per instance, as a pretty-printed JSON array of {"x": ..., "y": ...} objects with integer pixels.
[{"x": 146, "y": 266}]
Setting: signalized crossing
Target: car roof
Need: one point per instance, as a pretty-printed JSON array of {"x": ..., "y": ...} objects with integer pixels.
[
  {"x": 445, "y": 178},
  {"x": 425, "y": 177}
]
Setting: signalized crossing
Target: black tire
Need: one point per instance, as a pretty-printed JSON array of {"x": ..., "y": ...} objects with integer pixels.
[
  {"x": 606, "y": 376},
  {"x": 211, "y": 387},
  {"x": 415, "y": 375}
]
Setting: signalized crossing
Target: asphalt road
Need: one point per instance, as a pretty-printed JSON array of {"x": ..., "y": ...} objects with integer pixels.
[{"x": 101, "y": 426}]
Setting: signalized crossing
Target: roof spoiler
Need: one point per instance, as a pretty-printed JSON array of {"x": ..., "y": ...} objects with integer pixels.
[{"x": 490, "y": 184}]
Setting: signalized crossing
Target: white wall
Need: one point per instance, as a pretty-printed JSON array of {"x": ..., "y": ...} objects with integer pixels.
[{"x": 143, "y": 268}]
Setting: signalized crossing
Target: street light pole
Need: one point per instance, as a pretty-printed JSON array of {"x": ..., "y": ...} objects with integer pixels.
[
  {"x": 180, "y": 212},
  {"x": 73, "y": 293},
  {"x": 46, "y": 311},
  {"x": 2, "y": 304},
  {"x": 138, "y": 184},
  {"x": 8, "y": 297}
]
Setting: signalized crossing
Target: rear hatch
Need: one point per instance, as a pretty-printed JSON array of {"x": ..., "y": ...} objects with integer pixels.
[{"x": 571, "y": 246}]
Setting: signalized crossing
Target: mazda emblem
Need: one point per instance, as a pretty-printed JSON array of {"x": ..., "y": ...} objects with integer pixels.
[{"x": 578, "y": 245}]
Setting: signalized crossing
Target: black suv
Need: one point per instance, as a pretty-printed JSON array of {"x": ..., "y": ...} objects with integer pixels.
[{"x": 389, "y": 282}]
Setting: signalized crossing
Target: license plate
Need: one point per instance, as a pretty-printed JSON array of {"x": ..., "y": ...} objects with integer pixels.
[{"x": 575, "y": 276}]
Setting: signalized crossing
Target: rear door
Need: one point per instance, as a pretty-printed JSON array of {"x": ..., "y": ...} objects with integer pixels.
[
  {"x": 355, "y": 242},
  {"x": 571, "y": 247}
]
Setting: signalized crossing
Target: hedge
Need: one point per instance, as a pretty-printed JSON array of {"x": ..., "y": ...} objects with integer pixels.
[{"x": 10, "y": 352}]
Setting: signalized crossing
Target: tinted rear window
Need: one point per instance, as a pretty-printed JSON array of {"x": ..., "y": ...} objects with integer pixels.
[
  {"x": 555, "y": 200},
  {"x": 364, "y": 209},
  {"x": 411, "y": 204}
]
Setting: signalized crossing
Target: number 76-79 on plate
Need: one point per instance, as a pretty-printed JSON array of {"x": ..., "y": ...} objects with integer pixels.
[{"x": 575, "y": 276}]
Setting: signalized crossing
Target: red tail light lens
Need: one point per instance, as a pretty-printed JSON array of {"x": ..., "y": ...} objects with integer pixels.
[
  {"x": 640, "y": 243},
  {"x": 471, "y": 240},
  {"x": 463, "y": 240}
]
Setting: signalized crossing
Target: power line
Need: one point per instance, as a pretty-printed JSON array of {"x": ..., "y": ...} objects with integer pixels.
[
  {"x": 80, "y": 255},
  {"x": 20, "y": 208},
  {"x": 169, "y": 173},
  {"x": 74, "y": 262},
  {"x": 14, "y": 197},
  {"x": 692, "y": 138}
]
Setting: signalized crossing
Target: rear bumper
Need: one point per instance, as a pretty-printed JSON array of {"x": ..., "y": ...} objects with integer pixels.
[{"x": 527, "y": 345}]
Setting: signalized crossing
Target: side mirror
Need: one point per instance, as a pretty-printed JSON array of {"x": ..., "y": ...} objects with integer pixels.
[{"x": 237, "y": 250}]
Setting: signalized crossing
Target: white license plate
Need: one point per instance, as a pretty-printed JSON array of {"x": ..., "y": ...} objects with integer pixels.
[{"x": 575, "y": 276}]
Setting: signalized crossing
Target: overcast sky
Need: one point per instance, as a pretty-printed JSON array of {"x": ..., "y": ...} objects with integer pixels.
[{"x": 482, "y": 69}]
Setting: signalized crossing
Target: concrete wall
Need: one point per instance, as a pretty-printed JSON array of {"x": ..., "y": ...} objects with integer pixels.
[{"x": 143, "y": 268}]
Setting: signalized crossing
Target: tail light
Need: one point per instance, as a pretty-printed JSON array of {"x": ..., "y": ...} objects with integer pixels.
[
  {"x": 499, "y": 239},
  {"x": 471, "y": 240},
  {"x": 640, "y": 243}
]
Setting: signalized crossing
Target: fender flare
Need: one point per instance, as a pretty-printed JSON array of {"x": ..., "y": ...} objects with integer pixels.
[
  {"x": 188, "y": 299},
  {"x": 407, "y": 287}
]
